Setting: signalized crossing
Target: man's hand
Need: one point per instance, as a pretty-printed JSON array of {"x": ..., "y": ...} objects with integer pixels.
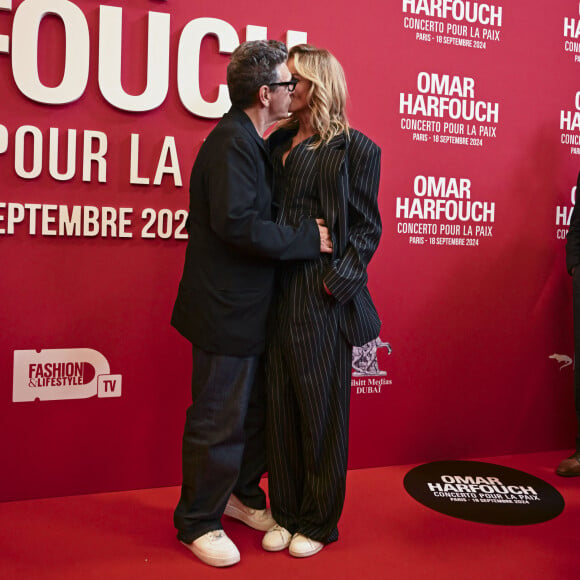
[{"x": 325, "y": 239}]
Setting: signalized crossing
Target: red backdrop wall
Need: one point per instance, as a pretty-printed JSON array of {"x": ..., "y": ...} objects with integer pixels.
[{"x": 476, "y": 107}]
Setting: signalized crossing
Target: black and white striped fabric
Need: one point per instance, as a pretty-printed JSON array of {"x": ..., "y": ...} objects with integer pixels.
[
  {"x": 310, "y": 347},
  {"x": 308, "y": 362}
]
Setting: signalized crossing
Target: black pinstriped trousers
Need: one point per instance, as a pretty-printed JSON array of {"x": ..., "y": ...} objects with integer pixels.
[{"x": 308, "y": 392}]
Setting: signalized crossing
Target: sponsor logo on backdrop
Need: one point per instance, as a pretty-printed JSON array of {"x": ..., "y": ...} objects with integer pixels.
[
  {"x": 562, "y": 359},
  {"x": 445, "y": 110},
  {"x": 441, "y": 211},
  {"x": 563, "y": 215},
  {"x": 456, "y": 23},
  {"x": 59, "y": 374},
  {"x": 368, "y": 377},
  {"x": 483, "y": 492},
  {"x": 570, "y": 126},
  {"x": 571, "y": 36}
]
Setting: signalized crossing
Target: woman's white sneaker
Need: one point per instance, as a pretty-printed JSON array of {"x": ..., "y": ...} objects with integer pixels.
[
  {"x": 302, "y": 547},
  {"x": 215, "y": 549},
  {"x": 276, "y": 538}
]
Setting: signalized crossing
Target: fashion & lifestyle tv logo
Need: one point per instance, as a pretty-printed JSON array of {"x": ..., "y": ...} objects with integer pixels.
[{"x": 61, "y": 374}]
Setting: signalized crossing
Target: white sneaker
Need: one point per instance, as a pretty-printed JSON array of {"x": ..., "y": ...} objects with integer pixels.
[
  {"x": 277, "y": 538},
  {"x": 302, "y": 547},
  {"x": 215, "y": 549},
  {"x": 258, "y": 519}
]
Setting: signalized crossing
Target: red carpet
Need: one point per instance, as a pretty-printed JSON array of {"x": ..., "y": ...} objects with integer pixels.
[{"x": 384, "y": 534}]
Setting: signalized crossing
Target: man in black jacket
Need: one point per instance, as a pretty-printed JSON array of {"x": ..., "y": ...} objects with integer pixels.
[
  {"x": 571, "y": 466},
  {"x": 223, "y": 302}
]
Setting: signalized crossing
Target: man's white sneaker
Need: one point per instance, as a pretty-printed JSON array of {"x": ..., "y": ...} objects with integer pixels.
[
  {"x": 276, "y": 538},
  {"x": 302, "y": 547},
  {"x": 215, "y": 549},
  {"x": 258, "y": 519}
]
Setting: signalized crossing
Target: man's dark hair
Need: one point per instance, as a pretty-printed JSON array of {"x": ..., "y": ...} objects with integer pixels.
[{"x": 253, "y": 64}]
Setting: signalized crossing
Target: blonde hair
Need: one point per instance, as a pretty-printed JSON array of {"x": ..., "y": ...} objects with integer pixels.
[{"x": 327, "y": 95}]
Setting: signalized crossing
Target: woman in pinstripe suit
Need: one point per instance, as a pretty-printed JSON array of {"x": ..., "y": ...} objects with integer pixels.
[{"x": 323, "y": 307}]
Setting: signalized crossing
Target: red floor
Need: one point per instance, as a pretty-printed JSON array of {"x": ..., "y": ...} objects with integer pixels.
[{"x": 384, "y": 534}]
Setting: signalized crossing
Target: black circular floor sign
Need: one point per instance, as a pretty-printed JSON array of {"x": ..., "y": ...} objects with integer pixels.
[{"x": 484, "y": 492}]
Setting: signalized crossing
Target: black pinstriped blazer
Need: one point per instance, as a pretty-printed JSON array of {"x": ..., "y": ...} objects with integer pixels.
[
  {"x": 348, "y": 182},
  {"x": 349, "y": 173}
]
